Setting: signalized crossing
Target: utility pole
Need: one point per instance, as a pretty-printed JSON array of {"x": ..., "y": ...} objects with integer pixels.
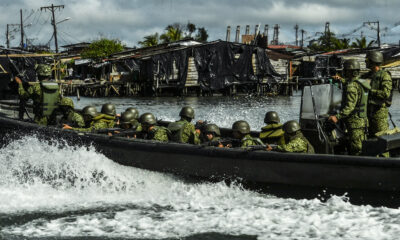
[
  {"x": 327, "y": 35},
  {"x": 302, "y": 38},
  {"x": 22, "y": 30},
  {"x": 266, "y": 33},
  {"x": 7, "y": 37},
  {"x": 53, "y": 21},
  {"x": 275, "y": 39},
  {"x": 296, "y": 28},
  {"x": 228, "y": 34},
  {"x": 378, "y": 34},
  {"x": 237, "y": 34}
]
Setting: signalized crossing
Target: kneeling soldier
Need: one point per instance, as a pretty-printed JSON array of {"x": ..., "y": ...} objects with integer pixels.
[
  {"x": 241, "y": 131},
  {"x": 295, "y": 140},
  {"x": 272, "y": 133},
  {"x": 152, "y": 131}
]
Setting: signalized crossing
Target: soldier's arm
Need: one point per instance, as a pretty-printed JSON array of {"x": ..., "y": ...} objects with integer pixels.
[
  {"x": 386, "y": 90},
  {"x": 294, "y": 146},
  {"x": 351, "y": 102},
  {"x": 22, "y": 92},
  {"x": 161, "y": 135},
  {"x": 78, "y": 120}
]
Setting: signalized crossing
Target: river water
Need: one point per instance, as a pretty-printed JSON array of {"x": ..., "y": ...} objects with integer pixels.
[{"x": 53, "y": 192}]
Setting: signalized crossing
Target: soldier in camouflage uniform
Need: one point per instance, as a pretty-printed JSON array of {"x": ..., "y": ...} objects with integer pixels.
[
  {"x": 272, "y": 133},
  {"x": 70, "y": 117},
  {"x": 94, "y": 121},
  {"x": 212, "y": 135},
  {"x": 35, "y": 92},
  {"x": 295, "y": 141},
  {"x": 379, "y": 98},
  {"x": 183, "y": 131},
  {"x": 152, "y": 131},
  {"x": 354, "y": 107},
  {"x": 132, "y": 118},
  {"x": 241, "y": 131}
]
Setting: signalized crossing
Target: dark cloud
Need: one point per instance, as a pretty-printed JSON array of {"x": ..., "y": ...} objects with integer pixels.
[{"x": 130, "y": 20}]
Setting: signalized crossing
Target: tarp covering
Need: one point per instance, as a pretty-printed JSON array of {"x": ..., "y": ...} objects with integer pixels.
[{"x": 218, "y": 68}]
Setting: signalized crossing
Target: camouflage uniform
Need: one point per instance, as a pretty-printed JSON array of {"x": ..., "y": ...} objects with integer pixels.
[
  {"x": 102, "y": 121},
  {"x": 296, "y": 144},
  {"x": 189, "y": 134},
  {"x": 354, "y": 115},
  {"x": 74, "y": 119},
  {"x": 248, "y": 141},
  {"x": 381, "y": 89},
  {"x": 158, "y": 133},
  {"x": 34, "y": 92},
  {"x": 272, "y": 134}
]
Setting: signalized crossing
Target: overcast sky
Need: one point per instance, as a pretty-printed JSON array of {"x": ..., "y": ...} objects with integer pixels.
[{"x": 130, "y": 20}]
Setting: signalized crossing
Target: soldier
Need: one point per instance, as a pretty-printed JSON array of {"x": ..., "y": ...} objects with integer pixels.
[
  {"x": 152, "y": 131},
  {"x": 94, "y": 121},
  {"x": 212, "y": 135},
  {"x": 380, "y": 95},
  {"x": 183, "y": 131},
  {"x": 45, "y": 94},
  {"x": 354, "y": 106},
  {"x": 294, "y": 140},
  {"x": 134, "y": 118},
  {"x": 69, "y": 116},
  {"x": 109, "y": 114},
  {"x": 272, "y": 133},
  {"x": 241, "y": 131}
]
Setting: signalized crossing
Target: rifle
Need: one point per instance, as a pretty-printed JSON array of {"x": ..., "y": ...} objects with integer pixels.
[
  {"x": 107, "y": 130},
  {"x": 225, "y": 142}
]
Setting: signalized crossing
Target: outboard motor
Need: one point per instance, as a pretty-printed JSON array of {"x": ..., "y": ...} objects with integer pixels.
[{"x": 318, "y": 102}]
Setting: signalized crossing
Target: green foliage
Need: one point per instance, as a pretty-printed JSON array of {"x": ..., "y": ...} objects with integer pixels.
[
  {"x": 175, "y": 32},
  {"x": 102, "y": 48},
  {"x": 150, "y": 40},
  {"x": 361, "y": 43}
]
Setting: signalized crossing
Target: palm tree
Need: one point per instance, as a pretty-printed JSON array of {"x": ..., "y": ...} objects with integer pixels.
[
  {"x": 342, "y": 43},
  {"x": 150, "y": 40},
  {"x": 174, "y": 33},
  {"x": 202, "y": 35},
  {"x": 191, "y": 28},
  {"x": 361, "y": 43}
]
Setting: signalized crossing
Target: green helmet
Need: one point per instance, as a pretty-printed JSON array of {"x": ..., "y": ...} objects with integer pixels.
[
  {"x": 375, "y": 57},
  {"x": 212, "y": 128},
  {"x": 128, "y": 118},
  {"x": 66, "y": 101},
  {"x": 271, "y": 117},
  {"x": 43, "y": 70},
  {"x": 291, "y": 127},
  {"x": 134, "y": 111},
  {"x": 351, "y": 64},
  {"x": 108, "y": 109},
  {"x": 241, "y": 126},
  {"x": 147, "y": 119},
  {"x": 90, "y": 111},
  {"x": 187, "y": 112}
]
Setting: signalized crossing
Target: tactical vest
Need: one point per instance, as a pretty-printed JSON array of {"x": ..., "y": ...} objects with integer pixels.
[
  {"x": 378, "y": 85},
  {"x": 152, "y": 133},
  {"x": 361, "y": 107},
  {"x": 176, "y": 129},
  {"x": 50, "y": 97},
  {"x": 257, "y": 141}
]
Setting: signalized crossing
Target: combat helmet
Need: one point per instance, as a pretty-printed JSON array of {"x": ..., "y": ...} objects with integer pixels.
[
  {"x": 351, "y": 64},
  {"x": 134, "y": 111},
  {"x": 90, "y": 111},
  {"x": 108, "y": 109},
  {"x": 67, "y": 102},
  {"x": 241, "y": 126},
  {"x": 291, "y": 127},
  {"x": 147, "y": 119},
  {"x": 187, "y": 112},
  {"x": 212, "y": 128},
  {"x": 271, "y": 117},
  {"x": 375, "y": 57},
  {"x": 43, "y": 70},
  {"x": 128, "y": 118}
]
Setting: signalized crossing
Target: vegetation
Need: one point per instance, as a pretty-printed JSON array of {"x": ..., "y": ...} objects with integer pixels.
[
  {"x": 329, "y": 42},
  {"x": 102, "y": 48},
  {"x": 175, "y": 32},
  {"x": 362, "y": 43}
]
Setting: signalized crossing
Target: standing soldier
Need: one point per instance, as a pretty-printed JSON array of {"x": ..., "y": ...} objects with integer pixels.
[
  {"x": 294, "y": 140},
  {"x": 380, "y": 96},
  {"x": 354, "y": 107},
  {"x": 272, "y": 133},
  {"x": 241, "y": 131},
  {"x": 45, "y": 94},
  {"x": 183, "y": 131}
]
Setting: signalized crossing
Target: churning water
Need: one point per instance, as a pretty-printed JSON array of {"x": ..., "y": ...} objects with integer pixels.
[{"x": 53, "y": 191}]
